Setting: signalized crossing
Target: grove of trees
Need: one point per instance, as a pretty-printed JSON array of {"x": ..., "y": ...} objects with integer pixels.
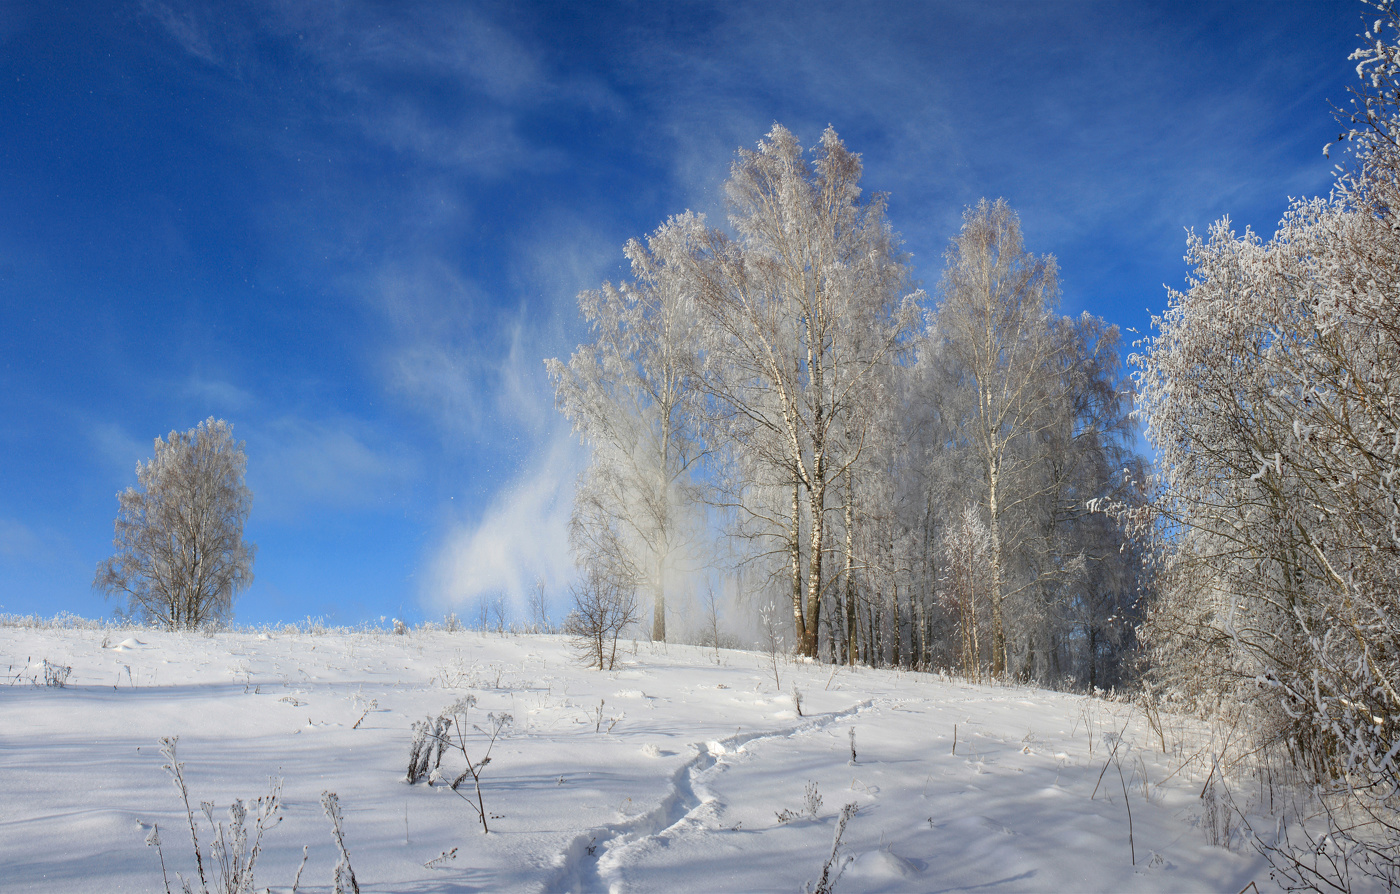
[
  {"x": 913, "y": 477},
  {"x": 180, "y": 555}
]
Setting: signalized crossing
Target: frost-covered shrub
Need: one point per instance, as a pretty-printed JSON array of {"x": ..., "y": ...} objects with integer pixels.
[
  {"x": 425, "y": 752},
  {"x": 448, "y": 732},
  {"x": 811, "y": 805},
  {"x": 56, "y": 675},
  {"x": 1272, "y": 393},
  {"x": 235, "y": 844}
]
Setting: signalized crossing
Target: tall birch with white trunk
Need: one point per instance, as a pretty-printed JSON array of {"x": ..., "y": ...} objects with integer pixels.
[
  {"x": 797, "y": 313},
  {"x": 995, "y": 322},
  {"x": 632, "y": 398}
]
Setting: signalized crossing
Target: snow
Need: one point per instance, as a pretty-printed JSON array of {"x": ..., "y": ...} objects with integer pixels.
[{"x": 665, "y": 775}]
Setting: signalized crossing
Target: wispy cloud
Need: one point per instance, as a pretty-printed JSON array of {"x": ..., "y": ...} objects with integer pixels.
[
  {"x": 184, "y": 27},
  {"x": 473, "y": 362},
  {"x": 18, "y": 541},
  {"x": 521, "y": 537},
  {"x": 218, "y": 395},
  {"x": 115, "y": 449},
  {"x": 296, "y": 465},
  {"x": 522, "y": 533}
]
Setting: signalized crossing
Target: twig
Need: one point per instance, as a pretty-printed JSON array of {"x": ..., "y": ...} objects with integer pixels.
[
  {"x": 175, "y": 769},
  {"x": 440, "y": 859},
  {"x": 296, "y": 880},
  {"x": 1131, "y": 847},
  {"x": 1117, "y": 740},
  {"x": 153, "y": 839},
  {"x": 345, "y": 882}
]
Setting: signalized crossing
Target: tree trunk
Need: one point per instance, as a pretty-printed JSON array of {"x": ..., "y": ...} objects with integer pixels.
[
  {"x": 795, "y": 545},
  {"x": 658, "y": 612},
  {"x": 814, "y": 562},
  {"x": 850, "y": 586},
  {"x": 998, "y": 628}
]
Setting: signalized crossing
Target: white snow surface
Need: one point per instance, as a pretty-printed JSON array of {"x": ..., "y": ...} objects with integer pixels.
[{"x": 674, "y": 788}]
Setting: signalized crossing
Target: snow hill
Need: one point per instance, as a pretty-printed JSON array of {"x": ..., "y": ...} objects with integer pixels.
[{"x": 666, "y": 775}]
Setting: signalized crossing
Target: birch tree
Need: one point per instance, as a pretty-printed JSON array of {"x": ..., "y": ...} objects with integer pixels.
[
  {"x": 180, "y": 555},
  {"x": 995, "y": 323},
  {"x": 632, "y": 398},
  {"x": 797, "y": 311}
]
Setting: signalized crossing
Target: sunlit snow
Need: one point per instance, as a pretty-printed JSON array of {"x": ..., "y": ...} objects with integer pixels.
[{"x": 666, "y": 775}]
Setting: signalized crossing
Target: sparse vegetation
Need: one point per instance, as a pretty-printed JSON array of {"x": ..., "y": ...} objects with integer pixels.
[
  {"x": 603, "y": 608},
  {"x": 448, "y": 733},
  {"x": 835, "y": 865},
  {"x": 232, "y": 855}
]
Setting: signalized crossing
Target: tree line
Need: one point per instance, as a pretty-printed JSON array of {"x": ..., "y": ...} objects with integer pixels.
[{"x": 911, "y": 476}]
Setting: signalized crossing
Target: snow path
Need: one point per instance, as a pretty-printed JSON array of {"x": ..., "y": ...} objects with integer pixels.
[{"x": 594, "y": 859}]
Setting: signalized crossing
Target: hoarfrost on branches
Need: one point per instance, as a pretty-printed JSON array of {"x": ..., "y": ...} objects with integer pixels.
[{"x": 180, "y": 555}]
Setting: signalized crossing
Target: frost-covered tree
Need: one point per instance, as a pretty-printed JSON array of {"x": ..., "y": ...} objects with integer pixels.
[
  {"x": 967, "y": 548},
  {"x": 1272, "y": 391},
  {"x": 996, "y": 323},
  {"x": 632, "y": 398},
  {"x": 781, "y": 364},
  {"x": 180, "y": 555},
  {"x": 797, "y": 313},
  {"x": 1025, "y": 414}
]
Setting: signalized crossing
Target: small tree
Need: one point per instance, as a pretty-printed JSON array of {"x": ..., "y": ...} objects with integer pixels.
[
  {"x": 180, "y": 555},
  {"x": 603, "y": 608}
]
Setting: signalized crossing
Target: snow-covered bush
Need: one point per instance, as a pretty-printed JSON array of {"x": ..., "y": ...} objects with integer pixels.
[{"x": 1272, "y": 391}]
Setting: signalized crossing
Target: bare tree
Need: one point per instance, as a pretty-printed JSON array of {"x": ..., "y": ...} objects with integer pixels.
[
  {"x": 603, "y": 608},
  {"x": 180, "y": 554},
  {"x": 540, "y": 621}
]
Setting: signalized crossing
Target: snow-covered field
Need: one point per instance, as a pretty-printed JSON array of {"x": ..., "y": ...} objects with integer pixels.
[{"x": 665, "y": 775}]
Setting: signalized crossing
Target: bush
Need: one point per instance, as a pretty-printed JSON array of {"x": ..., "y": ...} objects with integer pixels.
[{"x": 603, "y": 608}]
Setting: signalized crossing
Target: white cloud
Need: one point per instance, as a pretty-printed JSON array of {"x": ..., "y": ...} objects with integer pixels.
[{"x": 521, "y": 537}]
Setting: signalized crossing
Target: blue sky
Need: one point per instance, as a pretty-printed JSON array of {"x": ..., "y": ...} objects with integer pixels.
[{"x": 355, "y": 230}]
